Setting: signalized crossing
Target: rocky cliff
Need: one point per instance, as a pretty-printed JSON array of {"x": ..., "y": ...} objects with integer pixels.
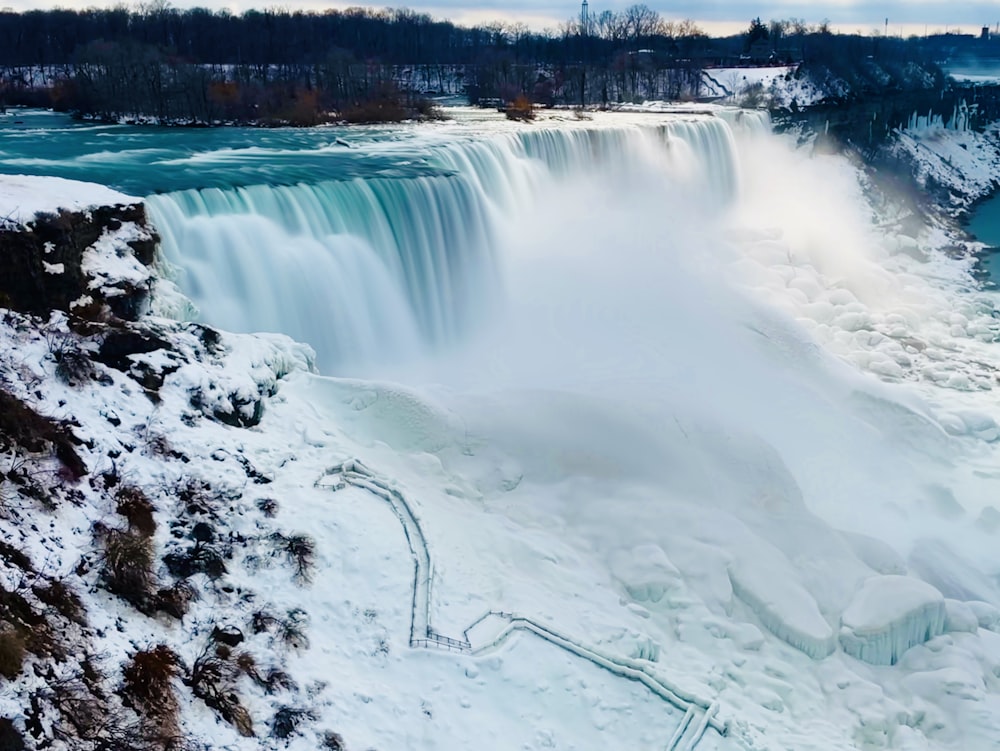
[{"x": 93, "y": 262}]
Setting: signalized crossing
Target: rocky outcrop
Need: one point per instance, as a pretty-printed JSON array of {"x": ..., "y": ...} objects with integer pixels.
[
  {"x": 867, "y": 122},
  {"x": 78, "y": 261}
]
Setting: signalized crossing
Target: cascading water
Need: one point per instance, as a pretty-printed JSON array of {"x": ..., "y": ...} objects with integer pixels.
[{"x": 377, "y": 270}]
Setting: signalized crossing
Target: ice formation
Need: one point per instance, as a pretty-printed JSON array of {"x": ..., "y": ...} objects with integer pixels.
[
  {"x": 890, "y": 614},
  {"x": 784, "y": 606},
  {"x": 646, "y": 572}
]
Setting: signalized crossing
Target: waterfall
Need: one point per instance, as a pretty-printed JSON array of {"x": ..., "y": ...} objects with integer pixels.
[{"x": 377, "y": 269}]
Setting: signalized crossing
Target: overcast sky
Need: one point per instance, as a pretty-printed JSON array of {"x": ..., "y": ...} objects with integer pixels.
[{"x": 716, "y": 16}]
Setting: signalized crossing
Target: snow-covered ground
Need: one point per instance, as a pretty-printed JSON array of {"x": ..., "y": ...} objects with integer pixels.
[
  {"x": 776, "y": 86},
  {"x": 23, "y": 196},
  {"x": 752, "y": 462},
  {"x": 965, "y": 162}
]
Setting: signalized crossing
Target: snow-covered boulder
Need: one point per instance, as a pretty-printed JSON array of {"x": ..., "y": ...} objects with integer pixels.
[
  {"x": 645, "y": 572},
  {"x": 890, "y": 614},
  {"x": 987, "y": 615},
  {"x": 74, "y": 247},
  {"x": 960, "y": 617},
  {"x": 876, "y": 554}
]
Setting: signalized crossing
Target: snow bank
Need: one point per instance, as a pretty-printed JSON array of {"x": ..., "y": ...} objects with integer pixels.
[
  {"x": 890, "y": 614},
  {"x": 936, "y": 563},
  {"x": 24, "y": 196}
]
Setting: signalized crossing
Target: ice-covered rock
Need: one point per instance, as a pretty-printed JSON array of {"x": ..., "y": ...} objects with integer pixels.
[
  {"x": 784, "y": 606},
  {"x": 705, "y": 569},
  {"x": 876, "y": 554},
  {"x": 890, "y": 614},
  {"x": 987, "y": 615},
  {"x": 645, "y": 572},
  {"x": 960, "y": 617}
]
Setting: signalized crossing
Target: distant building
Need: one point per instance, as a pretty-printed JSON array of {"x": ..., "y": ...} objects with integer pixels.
[{"x": 985, "y": 33}]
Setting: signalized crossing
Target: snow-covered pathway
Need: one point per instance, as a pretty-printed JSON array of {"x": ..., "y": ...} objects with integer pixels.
[{"x": 699, "y": 713}]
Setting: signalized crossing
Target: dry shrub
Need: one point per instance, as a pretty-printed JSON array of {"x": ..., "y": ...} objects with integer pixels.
[
  {"x": 287, "y": 720},
  {"x": 23, "y": 427},
  {"x": 16, "y": 556},
  {"x": 32, "y": 627},
  {"x": 273, "y": 681},
  {"x": 57, "y": 594},
  {"x": 12, "y": 652},
  {"x": 150, "y": 689},
  {"x": 300, "y": 551},
  {"x": 277, "y": 680},
  {"x": 263, "y": 620},
  {"x": 289, "y": 631},
  {"x": 268, "y": 507},
  {"x": 149, "y": 676},
  {"x": 213, "y": 680},
  {"x": 196, "y": 559},
  {"x": 304, "y": 110},
  {"x": 385, "y": 105},
  {"x": 134, "y": 505},
  {"x": 520, "y": 109},
  {"x": 333, "y": 741},
  {"x": 426, "y": 109},
  {"x": 73, "y": 365},
  {"x": 176, "y": 599},
  {"x": 292, "y": 629},
  {"x": 128, "y": 566}
]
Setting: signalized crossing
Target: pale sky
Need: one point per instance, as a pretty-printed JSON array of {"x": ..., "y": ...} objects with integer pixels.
[{"x": 715, "y": 16}]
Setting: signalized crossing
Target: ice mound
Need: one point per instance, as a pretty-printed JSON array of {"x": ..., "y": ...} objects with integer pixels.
[
  {"x": 987, "y": 615},
  {"x": 387, "y": 413},
  {"x": 876, "y": 554},
  {"x": 960, "y": 617},
  {"x": 645, "y": 572},
  {"x": 890, "y": 614}
]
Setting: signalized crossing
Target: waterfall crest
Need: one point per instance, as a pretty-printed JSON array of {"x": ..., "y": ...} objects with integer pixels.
[{"x": 370, "y": 270}]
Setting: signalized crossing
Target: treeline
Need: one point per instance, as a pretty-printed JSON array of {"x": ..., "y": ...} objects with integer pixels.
[
  {"x": 393, "y": 37},
  {"x": 115, "y": 81},
  {"x": 271, "y": 65}
]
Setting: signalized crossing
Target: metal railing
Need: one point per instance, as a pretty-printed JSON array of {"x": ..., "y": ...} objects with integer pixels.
[{"x": 352, "y": 472}]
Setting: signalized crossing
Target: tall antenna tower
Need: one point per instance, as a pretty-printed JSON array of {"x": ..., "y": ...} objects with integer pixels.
[{"x": 585, "y": 19}]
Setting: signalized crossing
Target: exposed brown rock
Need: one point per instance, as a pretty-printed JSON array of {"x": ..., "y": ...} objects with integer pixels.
[{"x": 62, "y": 238}]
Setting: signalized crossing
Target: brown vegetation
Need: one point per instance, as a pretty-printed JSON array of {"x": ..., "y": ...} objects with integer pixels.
[
  {"x": 12, "y": 652},
  {"x": 128, "y": 565},
  {"x": 134, "y": 505},
  {"x": 520, "y": 109},
  {"x": 149, "y": 688},
  {"x": 213, "y": 680},
  {"x": 21, "y": 427},
  {"x": 300, "y": 552}
]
